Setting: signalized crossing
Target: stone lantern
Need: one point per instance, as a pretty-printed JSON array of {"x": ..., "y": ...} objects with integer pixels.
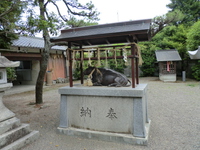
[
  {"x": 13, "y": 134},
  {"x": 4, "y": 62}
]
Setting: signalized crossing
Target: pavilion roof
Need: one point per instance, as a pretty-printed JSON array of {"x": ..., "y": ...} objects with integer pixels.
[{"x": 121, "y": 32}]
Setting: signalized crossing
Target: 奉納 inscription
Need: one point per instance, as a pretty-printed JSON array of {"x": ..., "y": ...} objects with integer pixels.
[
  {"x": 111, "y": 114},
  {"x": 85, "y": 112}
]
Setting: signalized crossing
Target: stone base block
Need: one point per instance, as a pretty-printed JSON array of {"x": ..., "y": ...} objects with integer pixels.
[
  {"x": 107, "y": 136},
  {"x": 105, "y": 113}
]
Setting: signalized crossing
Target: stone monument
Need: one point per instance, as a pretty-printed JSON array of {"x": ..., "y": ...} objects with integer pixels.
[
  {"x": 105, "y": 113},
  {"x": 13, "y": 134}
]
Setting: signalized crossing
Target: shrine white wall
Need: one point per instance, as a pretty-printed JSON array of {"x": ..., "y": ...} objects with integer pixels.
[{"x": 167, "y": 77}]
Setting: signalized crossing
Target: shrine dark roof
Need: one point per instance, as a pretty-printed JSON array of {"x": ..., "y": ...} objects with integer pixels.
[
  {"x": 121, "y": 32},
  {"x": 167, "y": 55},
  {"x": 33, "y": 42}
]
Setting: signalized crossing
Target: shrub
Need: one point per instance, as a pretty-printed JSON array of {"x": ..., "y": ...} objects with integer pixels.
[
  {"x": 193, "y": 37},
  {"x": 196, "y": 71},
  {"x": 11, "y": 74}
]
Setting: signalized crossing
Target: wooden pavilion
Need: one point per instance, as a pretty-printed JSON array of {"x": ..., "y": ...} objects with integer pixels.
[
  {"x": 83, "y": 109},
  {"x": 126, "y": 33}
]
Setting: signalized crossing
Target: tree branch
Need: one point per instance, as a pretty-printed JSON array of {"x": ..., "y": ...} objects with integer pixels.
[
  {"x": 58, "y": 10},
  {"x": 75, "y": 13},
  {"x": 10, "y": 9}
]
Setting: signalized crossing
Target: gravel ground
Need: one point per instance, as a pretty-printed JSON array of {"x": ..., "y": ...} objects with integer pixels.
[{"x": 174, "y": 110}]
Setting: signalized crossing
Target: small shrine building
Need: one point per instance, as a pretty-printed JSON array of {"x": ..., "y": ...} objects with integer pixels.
[{"x": 167, "y": 60}]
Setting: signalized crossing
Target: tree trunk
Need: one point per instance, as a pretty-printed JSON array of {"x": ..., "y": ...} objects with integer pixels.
[
  {"x": 40, "y": 79},
  {"x": 45, "y": 58}
]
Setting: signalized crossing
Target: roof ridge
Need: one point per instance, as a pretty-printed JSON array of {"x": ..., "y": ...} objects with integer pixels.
[{"x": 31, "y": 37}]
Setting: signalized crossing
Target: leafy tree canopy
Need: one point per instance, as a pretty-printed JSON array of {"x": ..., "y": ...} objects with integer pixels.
[
  {"x": 193, "y": 37},
  {"x": 190, "y": 9},
  {"x": 10, "y": 14},
  {"x": 172, "y": 37},
  {"x": 159, "y": 22},
  {"x": 74, "y": 22}
]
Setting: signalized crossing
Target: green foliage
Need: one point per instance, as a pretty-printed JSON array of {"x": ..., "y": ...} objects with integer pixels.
[
  {"x": 171, "y": 18},
  {"x": 193, "y": 37},
  {"x": 190, "y": 8},
  {"x": 10, "y": 12},
  {"x": 172, "y": 37},
  {"x": 11, "y": 74},
  {"x": 74, "y": 22},
  {"x": 196, "y": 71},
  {"x": 6, "y": 40},
  {"x": 148, "y": 55},
  {"x": 192, "y": 44},
  {"x": 119, "y": 66},
  {"x": 77, "y": 73}
]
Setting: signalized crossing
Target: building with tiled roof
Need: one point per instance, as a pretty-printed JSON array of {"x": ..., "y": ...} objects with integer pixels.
[{"x": 28, "y": 50}]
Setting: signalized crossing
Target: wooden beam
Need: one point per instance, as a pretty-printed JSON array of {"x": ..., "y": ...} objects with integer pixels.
[
  {"x": 110, "y": 57},
  {"x": 107, "y": 41},
  {"x": 88, "y": 42},
  {"x": 127, "y": 39}
]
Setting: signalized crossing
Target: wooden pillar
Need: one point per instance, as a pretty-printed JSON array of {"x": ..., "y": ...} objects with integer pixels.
[
  {"x": 81, "y": 63},
  {"x": 67, "y": 64},
  {"x": 70, "y": 66},
  {"x": 133, "y": 64},
  {"x": 137, "y": 69}
]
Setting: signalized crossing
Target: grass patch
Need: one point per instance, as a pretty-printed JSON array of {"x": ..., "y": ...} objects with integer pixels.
[{"x": 191, "y": 84}]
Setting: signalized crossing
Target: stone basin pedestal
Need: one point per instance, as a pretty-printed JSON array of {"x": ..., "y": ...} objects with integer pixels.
[{"x": 117, "y": 114}]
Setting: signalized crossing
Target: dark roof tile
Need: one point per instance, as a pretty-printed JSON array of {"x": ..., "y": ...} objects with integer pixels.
[
  {"x": 33, "y": 42},
  {"x": 167, "y": 55}
]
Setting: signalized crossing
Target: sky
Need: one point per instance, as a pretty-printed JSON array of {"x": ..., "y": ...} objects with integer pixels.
[{"x": 125, "y": 10}]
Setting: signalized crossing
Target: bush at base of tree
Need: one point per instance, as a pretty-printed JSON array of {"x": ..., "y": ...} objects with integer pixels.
[{"x": 196, "y": 71}]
